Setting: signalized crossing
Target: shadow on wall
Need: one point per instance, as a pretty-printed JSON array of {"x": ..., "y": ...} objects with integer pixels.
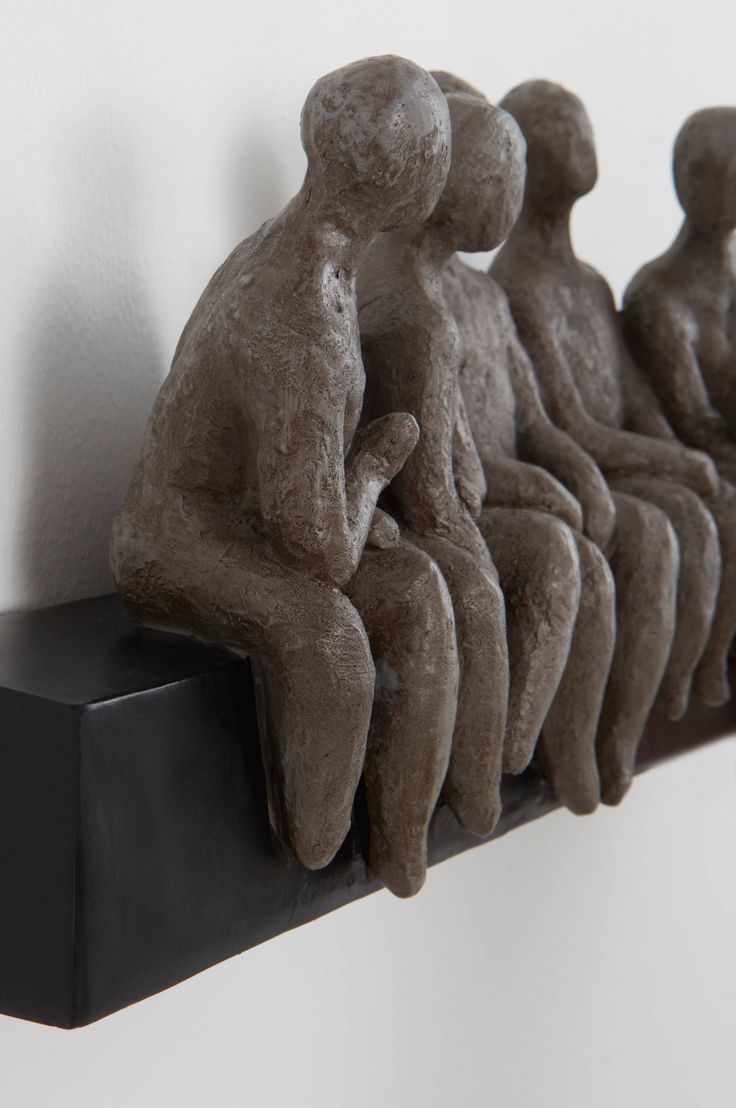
[
  {"x": 92, "y": 368},
  {"x": 94, "y": 360},
  {"x": 255, "y": 188}
]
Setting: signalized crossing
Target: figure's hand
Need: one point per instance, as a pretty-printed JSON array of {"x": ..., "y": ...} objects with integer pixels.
[
  {"x": 471, "y": 494},
  {"x": 384, "y": 532},
  {"x": 699, "y": 472},
  {"x": 383, "y": 446},
  {"x": 562, "y": 457},
  {"x": 599, "y": 516},
  {"x": 723, "y": 454},
  {"x": 662, "y": 458},
  {"x": 560, "y": 502}
]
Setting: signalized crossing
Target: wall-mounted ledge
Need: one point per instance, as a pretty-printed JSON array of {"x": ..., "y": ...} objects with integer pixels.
[{"x": 135, "y": 849}]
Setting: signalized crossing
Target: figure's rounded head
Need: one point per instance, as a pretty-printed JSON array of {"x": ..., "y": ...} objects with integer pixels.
[
  {"x": 448, "y": 82},
  {"x": 485, "y": 186},
  {"x": 560, "y": 159},
  {"x": 704, "y": 168},
  {"x": 377, "y": 138}
]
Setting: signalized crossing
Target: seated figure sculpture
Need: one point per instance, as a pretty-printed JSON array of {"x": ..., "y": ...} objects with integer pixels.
[
  {"x": 412, "y": 356},
  {"x": 680, "y": 322},
  {"x": 566, "y": 318},
  {"x": 251, "y": 518},
  {"x": 519, "y": 447}
]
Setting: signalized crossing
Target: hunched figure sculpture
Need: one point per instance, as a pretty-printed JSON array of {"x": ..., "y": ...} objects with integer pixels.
[
  {"x": 566, "y": 318},
  {"x": 680, "y": 322},
  {"x": 251, "y": 517},
  {"x": 526, "y": 460}
]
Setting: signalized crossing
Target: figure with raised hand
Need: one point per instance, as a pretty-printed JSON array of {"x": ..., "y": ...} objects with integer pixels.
[
  {"x": 251, "y": 519},
  {"x": 680, "y": 322}
]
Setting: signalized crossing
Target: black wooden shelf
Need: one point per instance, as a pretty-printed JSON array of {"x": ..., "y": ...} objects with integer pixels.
[{"x": 135, "y": 848}]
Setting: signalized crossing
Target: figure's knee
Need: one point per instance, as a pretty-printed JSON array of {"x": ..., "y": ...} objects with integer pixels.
[
  {"x": 598, "y": 585},
  {"x": 722, "y": 506},
  {"x": 479, "y": 602},
  {"x": 547, "y": 573},
  {"x": 424, "y": 604},
  {"x": 324, "y": 634},
  {"x": 645, "y": 537},
  {"x": 697, "y": 535}
]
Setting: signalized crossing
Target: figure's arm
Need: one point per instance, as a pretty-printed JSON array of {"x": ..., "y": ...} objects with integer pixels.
[
  {"x": 317, "y": 507},
  {"x": 469, "y": 477},
  {"x": 541, "y": 442},
  {"x": 405, "y": 371},
  {"x": 664, "y": 348},
  {"x": 644, "y": 413},
  {"x": 516, "y": 484},
  {"x": 618, "y": 453}
]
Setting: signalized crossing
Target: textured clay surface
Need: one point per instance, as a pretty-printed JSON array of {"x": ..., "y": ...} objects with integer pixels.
[
  {"x": 548, "y": 570},
  {"x": 251, "y": 518},
  {"x": 411, "y": 351},
  {"x": 680, "y": 322},
  {"x": 565, "y": 316}
]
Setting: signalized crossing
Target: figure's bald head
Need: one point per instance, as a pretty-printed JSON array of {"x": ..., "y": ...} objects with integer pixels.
[
  {"x": 482, "y": 198},
  {"x": 448, "y": 82},
  {"x": 376, "y": 134},
  {"x": 561, "y": 162},
  {"x": 704, "y": 168}
]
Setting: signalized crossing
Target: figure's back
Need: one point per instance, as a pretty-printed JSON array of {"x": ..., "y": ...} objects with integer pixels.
[
  {"x": 198, "y": 445},
  {"x": 263, "y": 337}
]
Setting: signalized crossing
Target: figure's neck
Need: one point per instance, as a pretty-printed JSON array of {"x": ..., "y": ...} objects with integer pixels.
[
  {"x": 312, "y": 239},
  {"x": 548, "y": 230},
  {"x": 712, "y": 248},
  {"x": 426, "y": 252}
]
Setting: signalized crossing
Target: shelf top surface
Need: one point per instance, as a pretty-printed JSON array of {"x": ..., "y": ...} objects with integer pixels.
[{"x": 90, "y": 651}]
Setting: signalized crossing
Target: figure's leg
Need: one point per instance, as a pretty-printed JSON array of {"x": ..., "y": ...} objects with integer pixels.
[
  {"x": 566, "y": 749},
  {"x": 313, "y": 661},
  {"x": 711, "y": 677},
  {"x": 698, "y": 582},
  {"x": 644, "y": 558},
  {"x": 407, "y": 611},
  {"x": 472, "y": 787},
  {"x": 538, "y": 565}
]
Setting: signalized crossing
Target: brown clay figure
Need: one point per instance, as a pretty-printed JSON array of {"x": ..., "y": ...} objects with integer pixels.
[
  {"x": 565, "y": 316},
  {"x": 520, "y": 449},
  {"x": 412, "y": 352},
  {"x": 680, "y": 322},
  {"x": 251, "y": 518}
]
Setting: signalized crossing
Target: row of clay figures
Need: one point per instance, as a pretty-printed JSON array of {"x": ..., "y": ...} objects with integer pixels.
[{"x": 457, "y": 520}]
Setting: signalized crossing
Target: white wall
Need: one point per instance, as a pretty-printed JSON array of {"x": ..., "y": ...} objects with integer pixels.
[{"x": 576, "y": 963}]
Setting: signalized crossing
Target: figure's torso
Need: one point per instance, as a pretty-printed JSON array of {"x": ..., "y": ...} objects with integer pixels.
[
  {"x": 559, "y": 302},
  {"x": 486, "y": 329},
  {"x": 703, "y": 299},
  {"x": 411, "y": 351},
  {"x": 582, "y": 311}
]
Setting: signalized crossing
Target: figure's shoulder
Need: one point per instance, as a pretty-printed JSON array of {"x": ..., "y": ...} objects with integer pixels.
[
  {"x": 656, "y": 299},
  {"x": 234, "y": 301},
  {"x": 528, "y": 279},
  {"x": 464, "y": 284}
]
